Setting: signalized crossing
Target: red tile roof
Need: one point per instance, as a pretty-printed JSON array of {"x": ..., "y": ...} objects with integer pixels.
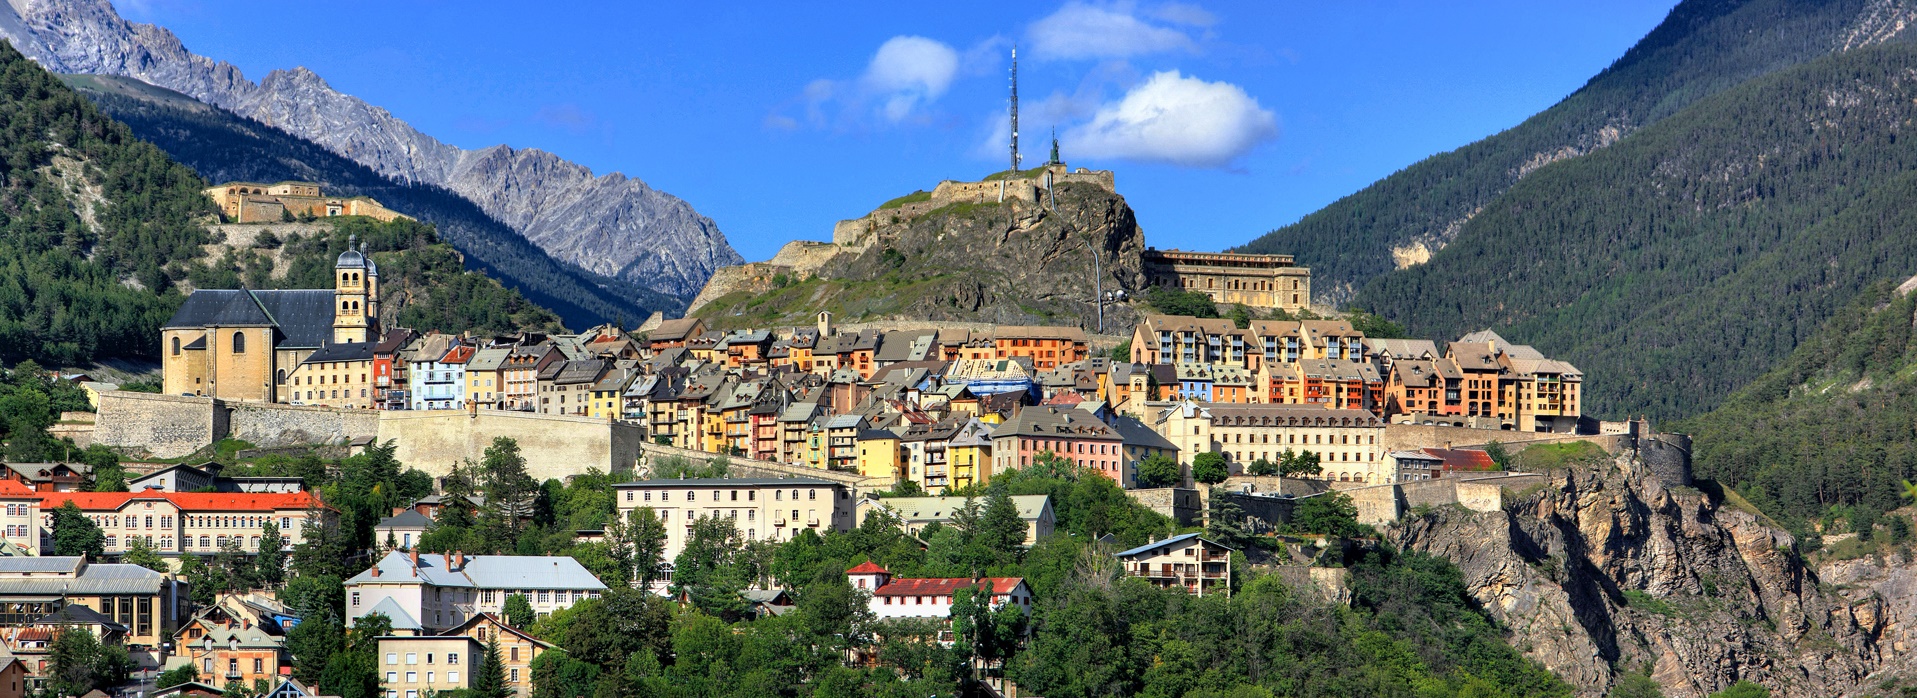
[
  {"x": 186, "y": 501},
  {"x": 867, "y": 568},
  {"x": 945, "y": 586},
  {"x": 13, "y": 488}
]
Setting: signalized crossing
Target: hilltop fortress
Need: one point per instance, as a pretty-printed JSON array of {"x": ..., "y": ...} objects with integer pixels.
[{"x": 1258, "y": 281}]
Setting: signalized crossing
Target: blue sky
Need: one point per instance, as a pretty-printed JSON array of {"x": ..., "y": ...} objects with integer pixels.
[{"x": 1222, "y": 120}]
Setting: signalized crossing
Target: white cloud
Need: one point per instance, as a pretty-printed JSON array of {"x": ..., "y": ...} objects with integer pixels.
[
  {"x": 1080, "y": 30},
  {"x": 908, "y": 71},
  {"x": 1176, "y": 119}
]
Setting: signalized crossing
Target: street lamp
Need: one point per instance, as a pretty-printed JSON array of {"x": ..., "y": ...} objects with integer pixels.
[{"x": 1100, "y": 296}]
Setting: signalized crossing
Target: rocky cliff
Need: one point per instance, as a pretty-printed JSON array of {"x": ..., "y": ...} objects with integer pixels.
[
  {"x": 1609, "y": 569},
  {"x": 611, "y": 224},
  {"x": 1011, "y": 262}
]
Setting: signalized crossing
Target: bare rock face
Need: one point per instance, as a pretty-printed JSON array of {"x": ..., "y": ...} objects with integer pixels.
[
  {"x": 609, "y": 224},
  {"x": 1609, "y": 570}
]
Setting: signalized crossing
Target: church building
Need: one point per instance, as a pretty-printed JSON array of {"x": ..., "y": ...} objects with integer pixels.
[{"x": 246, "y": 345}]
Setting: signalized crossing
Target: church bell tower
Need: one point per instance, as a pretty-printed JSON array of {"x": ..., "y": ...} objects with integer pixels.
[{"x": 355, "y": 295}]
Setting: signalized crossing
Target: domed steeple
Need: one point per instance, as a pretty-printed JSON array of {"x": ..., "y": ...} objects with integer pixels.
[{"x": 352, "y": 258}]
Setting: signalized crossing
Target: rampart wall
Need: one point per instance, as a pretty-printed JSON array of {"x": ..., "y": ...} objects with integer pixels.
[
  {"x": 555, "y": 446},
  {"x": 737, "y": 466},
  {"x": 1182, "y": 504},
  {"x": 161, "y": 426},
  {"x": 1416, "y": 436},
  {"x": 274, "y": 426}
]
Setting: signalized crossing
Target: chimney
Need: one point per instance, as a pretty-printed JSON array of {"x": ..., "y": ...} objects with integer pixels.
[
  {"x": 375, "y": 570},
  {"x": 415, "y": 554},
  {"x": 459, "y": 559}
]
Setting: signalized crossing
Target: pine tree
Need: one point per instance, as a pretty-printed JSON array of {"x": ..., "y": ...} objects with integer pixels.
[
  {"x": 519, "y": 612},
  {"x": 1001, "y": 526},
  {"x": 489, "y": 680},
  {"x": 75, "y": 534},
  {"x": 648, "y": 545},
  {"x": 269, "y": 567}
]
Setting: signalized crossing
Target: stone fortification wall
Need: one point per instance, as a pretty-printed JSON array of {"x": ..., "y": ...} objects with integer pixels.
[
  {"x": 949, "y": 192},
  {"x": 274, "y": 426},
  {"x": 555, "y": 446},
  {"x": 1182, "y": 504},
  {"x": 1415, "y": 436},
  {"x": 160, "y": 426},
  {"x": 1668, "y": 456},
  {"x": 1378, "y": 504},
  {"x": 1268, "y": 484}
]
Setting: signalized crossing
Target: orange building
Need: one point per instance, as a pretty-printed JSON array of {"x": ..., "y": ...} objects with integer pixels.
[{"x": 1048, "y": 347}]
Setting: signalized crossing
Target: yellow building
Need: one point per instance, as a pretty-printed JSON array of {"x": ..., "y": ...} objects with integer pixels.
[
  {"x": 486, "y": 378},
  {"x": 338, "y": 375},
  {"x": 879, "y": 455},
  {"x": 609, "y": 394},
  {"x": 244, "y": 344},
  {"x": 970, "y": 454}
]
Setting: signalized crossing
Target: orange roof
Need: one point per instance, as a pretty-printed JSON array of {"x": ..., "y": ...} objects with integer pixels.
[
  {"x": 13, "y": 488},
  {"x": 867, "y": 568},
  {"x": 944, "y": 586},
  {"x": 186, "y": 501}
]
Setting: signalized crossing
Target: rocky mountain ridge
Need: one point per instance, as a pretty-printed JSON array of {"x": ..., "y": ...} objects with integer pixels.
[
  {"x": 610, "y": 224},
  {"x": 1611, "y": 569}
]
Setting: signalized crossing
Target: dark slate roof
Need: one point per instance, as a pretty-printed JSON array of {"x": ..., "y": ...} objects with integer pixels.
[
  {"x": 344, "y": 351},
  {"x": 304, "y": 317}
]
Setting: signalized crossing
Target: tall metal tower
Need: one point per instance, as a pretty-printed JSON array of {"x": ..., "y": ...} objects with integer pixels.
[{"x": 1015, "y": 157}]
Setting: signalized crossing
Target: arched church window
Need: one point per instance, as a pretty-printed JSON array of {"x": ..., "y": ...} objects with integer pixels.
[
  {"x": 279, "y": 377},
  {"x": 176, "y": 346},
  {"x": 239, "y": 343}
]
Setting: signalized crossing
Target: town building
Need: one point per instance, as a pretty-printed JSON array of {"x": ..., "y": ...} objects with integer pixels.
[
  {"x": 180, "y": 523},
  {"x": 441, "y": 591},
  {"x": 419, "y": 666},
  {"x": 1190, "y": 561},
  {"x": 239, "y": 637},
  {"x": 1265, "y": 281},
  {"x": 932, "y": 598},
  {"x": 915, "y": 512},
  {"x": 1346, "y": 441},
  {"x": 145, "y": 604},
  {"x": 760, "y": 508},
  {"x": 517, "y": 650},
  {"x": 1072, "y": 434},
  {"x": 337, "y": 375},
  {"x": 436, "y": 372}
]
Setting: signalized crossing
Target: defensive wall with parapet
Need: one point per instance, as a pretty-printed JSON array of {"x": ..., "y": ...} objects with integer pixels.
[
  {"x": 173, "y": 426},
  {"x": 555, "y": 446}
]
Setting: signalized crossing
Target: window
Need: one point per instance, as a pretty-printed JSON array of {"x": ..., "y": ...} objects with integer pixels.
[
  {"x": 452, "y": 658},
  {"x": 411, "y": 659},
  {"x": 391, "y": 676},
  {"x": 513, "y": 675},
  {"x": 514, "y": 657},
  {"x": 391, "y": 657},
  {"x": 452, "y": 677},
  {"x": 176, "y": 346},
  {"x": 239, "y": 343},
  {"x": 411, "y": 677}
]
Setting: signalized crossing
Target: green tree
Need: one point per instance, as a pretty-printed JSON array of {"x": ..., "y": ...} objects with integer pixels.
[
  {"x": 313, "y": 643},
  {"x": 184, "y": 673},
  {"x": 705, "y": 570},
  {"x": 203, "y": 583},
  {"x": 1210, "y": 468},
  {"x": 1634, "y": 685},
  {"x": 1158, "y": 470},
  {"x": 75, "y": 534},
  {"x": 1305, "y": 464},
  {"x": 1743, "y": 689},
  {"x": 269, "y": 566},
  {"x": 1261, "y": 467},
  {"x": 1330, "y": 513},
  {"x": 1000, "y": 528},
  {"x": 489, "y": 678},
  {"x": 1122, "y": 352},
  {"x": 139, "y": 553},
  {"x": 1498, "y": 454},
  {"x": 648, "y": 535},
  {"x": 78, "y": 662},
  {"x": 519, "y": 611},
  {"x": 1227, "y": 525}
]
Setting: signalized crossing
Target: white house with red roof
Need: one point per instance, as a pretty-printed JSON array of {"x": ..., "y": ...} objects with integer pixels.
[
  {"x": 179, "y": 523},
  {"x": 931, "y": 598}
]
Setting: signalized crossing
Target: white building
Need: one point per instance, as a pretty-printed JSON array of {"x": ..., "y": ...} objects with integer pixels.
[
  {"x": 915, "y": 512},
  {"x": 760, "y": 508},
  {"x": 1346, "y": 441},
  {"x": 441, "y": 591},
  {"x": 931, "y": 598},
  {"x": 436, "y": 378}
]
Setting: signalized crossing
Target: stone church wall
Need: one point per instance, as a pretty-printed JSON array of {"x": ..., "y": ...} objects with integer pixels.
[{"x": 162, "y": 426}]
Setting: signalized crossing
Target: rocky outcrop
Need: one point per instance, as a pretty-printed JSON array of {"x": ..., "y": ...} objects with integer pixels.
[
  {"x": 610, "y": 224},
  {"x": 1607, "y": 569},
  {"x": 1011, "y": 262}
]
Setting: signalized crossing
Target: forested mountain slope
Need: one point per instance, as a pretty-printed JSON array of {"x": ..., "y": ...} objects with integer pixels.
[
  {"x": 1683, "y": 261},
  {"x": 224, "y": 147},
  {"x": 100, "y": 231},
  {"x": 1832, "y": 426},
  {"x": 1703, "y": 47}
]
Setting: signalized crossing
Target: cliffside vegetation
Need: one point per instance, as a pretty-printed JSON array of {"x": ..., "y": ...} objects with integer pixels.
[
  {"x": 224, "y": 147},
  {"x": 1827, "y": 435},
  {"x": 1685, "y": 260}
]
